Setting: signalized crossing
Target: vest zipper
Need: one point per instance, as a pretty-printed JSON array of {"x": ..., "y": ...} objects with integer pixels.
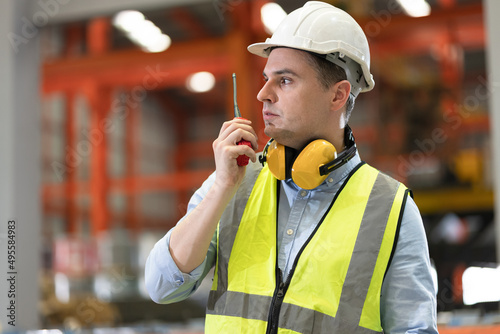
[
  {"x": 277, "y": 301},
  {"x": 282, "y": 287},
  {"x": 279, "y": 293}
]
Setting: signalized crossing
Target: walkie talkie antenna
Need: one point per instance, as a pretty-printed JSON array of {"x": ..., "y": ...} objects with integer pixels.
[
  {"x": 242, "y": 160},
  {"x": 237, "y": 112}
]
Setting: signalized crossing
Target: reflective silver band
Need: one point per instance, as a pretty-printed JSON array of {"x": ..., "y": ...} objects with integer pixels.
[
  {"x": 304, "y": 320},
  {"x": 239, "y": 304},
  {"x": 365, "y": 253},
  {"x": 227, "y": 232},
  {"x": 296, "y": 318}
]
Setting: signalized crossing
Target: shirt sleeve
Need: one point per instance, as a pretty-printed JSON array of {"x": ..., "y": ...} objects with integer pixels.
[
  {"x": 165, "y": 283},
  {"x": 408, "y": 300}
]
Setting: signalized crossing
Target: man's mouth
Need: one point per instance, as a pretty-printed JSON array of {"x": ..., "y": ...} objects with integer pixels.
[{"x": 267, "y": 115}]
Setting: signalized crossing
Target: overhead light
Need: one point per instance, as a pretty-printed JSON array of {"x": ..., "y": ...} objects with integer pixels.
[
  {"x": 158, "y": 43},
  {"x": 415, "y": 8},
  {"x": 144, "y": 29},
  {"x": 271, "y": 15},
  {"x": 141, "y": 31},
  {"x": 127, "y": 20},
  {"x": 481, "y": 285},
  {"x": 44, "y": 331},
  {"x": 62, "y": 288},
  {"x": 201, "y": 82}
]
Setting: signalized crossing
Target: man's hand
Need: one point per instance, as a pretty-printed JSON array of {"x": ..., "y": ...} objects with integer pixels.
[{"x": 226, "y": 150}]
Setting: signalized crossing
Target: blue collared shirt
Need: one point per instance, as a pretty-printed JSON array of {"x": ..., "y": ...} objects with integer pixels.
[{"x": 408, "y": 299}]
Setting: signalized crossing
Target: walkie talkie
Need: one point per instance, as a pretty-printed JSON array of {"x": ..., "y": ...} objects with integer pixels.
[{"x": 242, "y": 160}]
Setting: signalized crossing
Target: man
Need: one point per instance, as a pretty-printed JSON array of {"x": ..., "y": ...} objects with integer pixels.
[{"x": 307, "y": 241}]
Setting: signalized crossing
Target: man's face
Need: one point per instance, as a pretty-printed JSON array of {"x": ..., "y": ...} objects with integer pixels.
[{"x": 296, "y": 107}]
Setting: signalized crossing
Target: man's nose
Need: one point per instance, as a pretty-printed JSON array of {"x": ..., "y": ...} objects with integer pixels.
[{"x": 266, "y": 93}]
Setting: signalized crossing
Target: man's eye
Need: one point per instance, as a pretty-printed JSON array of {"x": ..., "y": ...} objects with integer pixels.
[{"x": 285, "y": 81}]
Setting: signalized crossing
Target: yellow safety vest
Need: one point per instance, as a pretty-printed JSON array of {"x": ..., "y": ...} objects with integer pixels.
[{"x": 336, "y": 280}]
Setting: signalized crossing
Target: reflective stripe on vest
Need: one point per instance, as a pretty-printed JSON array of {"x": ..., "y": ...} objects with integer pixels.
[{"x": 336, "y": 281}]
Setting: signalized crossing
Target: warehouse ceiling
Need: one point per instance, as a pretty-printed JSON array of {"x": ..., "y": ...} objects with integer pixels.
[
  {"x": 63, "y": 11},
  {"x": 182, "y": 23},
  {"x": 185, "y": 20},
  {"x": 193, "y": 20}
]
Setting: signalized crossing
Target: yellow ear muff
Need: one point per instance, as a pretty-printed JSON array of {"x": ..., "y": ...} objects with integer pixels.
[
  {"x": 305, "y": 169},
  {"x": 275, "y": 159}
]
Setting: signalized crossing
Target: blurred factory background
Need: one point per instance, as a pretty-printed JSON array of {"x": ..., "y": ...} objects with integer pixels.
[{"x": 110, "y": 109}]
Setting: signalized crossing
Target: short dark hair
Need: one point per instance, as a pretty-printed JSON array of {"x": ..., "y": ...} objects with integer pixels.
[
  {"x": 328, "y": 75},
  {"x": 328, "y": 72}
]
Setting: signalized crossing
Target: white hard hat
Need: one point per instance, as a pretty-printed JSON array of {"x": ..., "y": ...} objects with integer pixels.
[{"x": 323, "y": 29}]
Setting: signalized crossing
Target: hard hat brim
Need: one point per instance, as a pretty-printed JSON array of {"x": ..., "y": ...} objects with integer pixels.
[{"x": 262, "y": 49}]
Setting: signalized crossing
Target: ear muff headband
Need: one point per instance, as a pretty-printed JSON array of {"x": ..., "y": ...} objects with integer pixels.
[{"x": 342, "y": 158}]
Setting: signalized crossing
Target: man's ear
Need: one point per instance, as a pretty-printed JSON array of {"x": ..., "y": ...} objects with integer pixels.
[{"x": 340, "y": 94}]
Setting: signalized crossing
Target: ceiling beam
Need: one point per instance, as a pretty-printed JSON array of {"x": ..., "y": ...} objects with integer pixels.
[
  {"x": 134, "y": 67},
  {"x": 60, "y": 11}
]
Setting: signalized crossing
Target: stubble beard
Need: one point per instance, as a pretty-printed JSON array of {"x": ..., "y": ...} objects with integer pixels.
[{"x": 282, "y": 136}]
